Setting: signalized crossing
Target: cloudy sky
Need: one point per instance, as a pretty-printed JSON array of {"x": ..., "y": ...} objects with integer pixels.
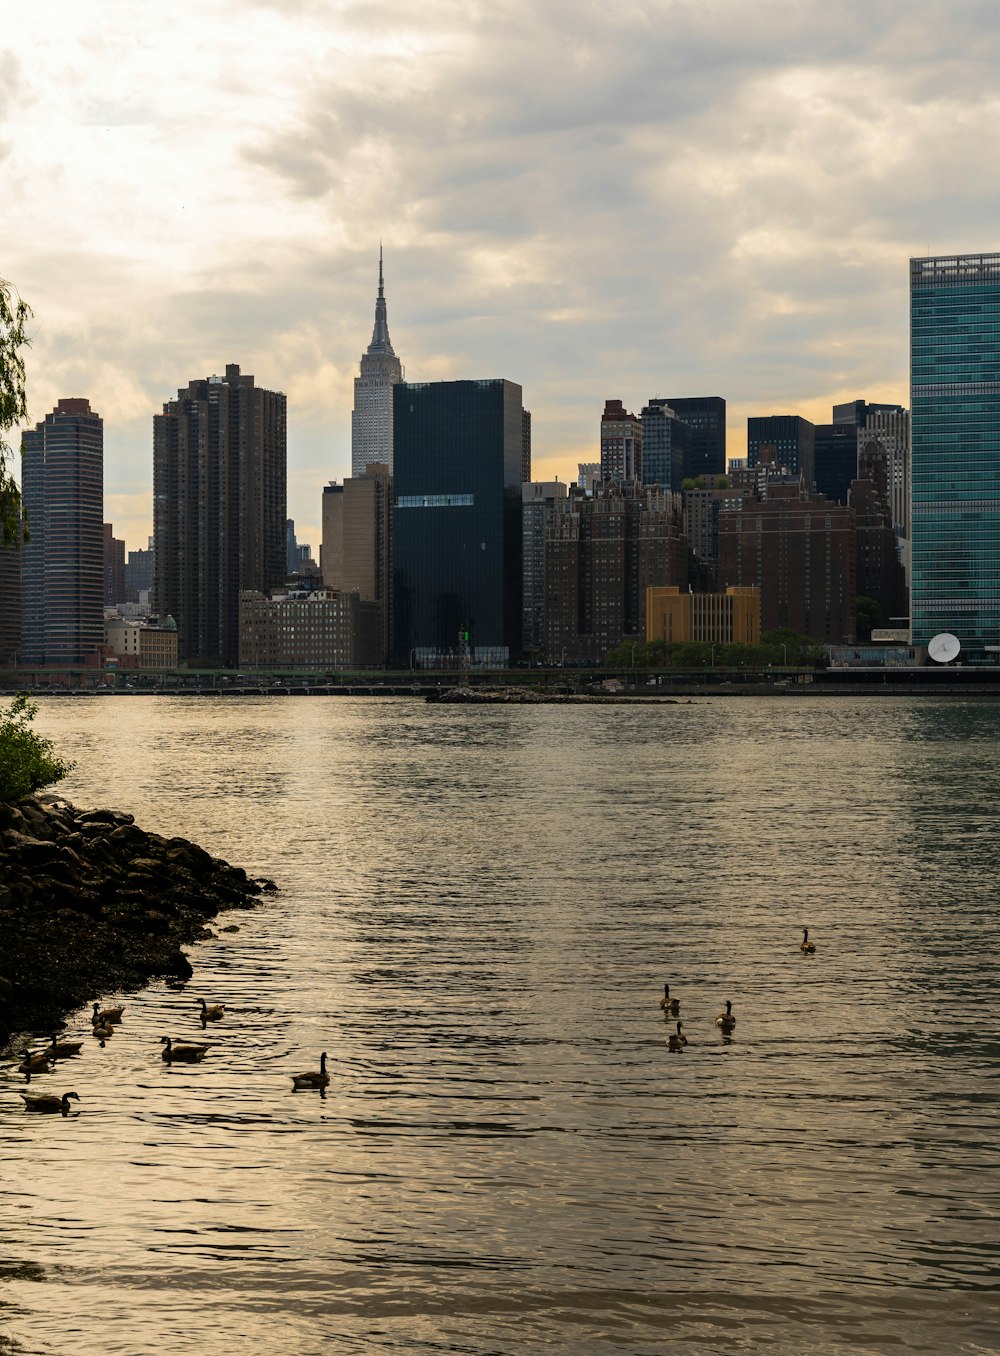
[{"x": 682, "y": 197}]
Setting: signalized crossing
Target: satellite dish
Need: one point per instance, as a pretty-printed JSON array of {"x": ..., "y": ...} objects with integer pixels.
[{"x": 944, "y": 647}]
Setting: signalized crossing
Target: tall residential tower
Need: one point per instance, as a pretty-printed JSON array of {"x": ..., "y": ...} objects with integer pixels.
[
  {"x": 371, "y": 420},
  {"x": 62, "y": 566},
  {"x": 218, "y": 508}
]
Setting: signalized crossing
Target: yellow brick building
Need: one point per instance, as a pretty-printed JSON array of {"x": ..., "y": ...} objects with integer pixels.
[{"x": 730, "y": 618}]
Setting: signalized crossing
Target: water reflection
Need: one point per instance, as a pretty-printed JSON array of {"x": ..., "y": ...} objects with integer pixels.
[{"x": 479, "y": 911}]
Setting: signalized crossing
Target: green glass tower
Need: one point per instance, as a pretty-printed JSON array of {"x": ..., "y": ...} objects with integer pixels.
[{"x": 955, "y": 469}]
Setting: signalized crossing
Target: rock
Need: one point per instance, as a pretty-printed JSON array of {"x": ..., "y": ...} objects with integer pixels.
[{"x": 91, "y": 904}]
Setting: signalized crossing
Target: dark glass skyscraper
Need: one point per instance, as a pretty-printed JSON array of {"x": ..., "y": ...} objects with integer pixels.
[
  {"x": 458, "y": 462},
  {"x": 665, "y": 446},
  {"x": 955, "y": 460},
  {"x": 62, "y": 567},
  {"x": 705, "y": 418},
  {"x": 789, "y": 435},
  {"x": 835, "y": 459}
]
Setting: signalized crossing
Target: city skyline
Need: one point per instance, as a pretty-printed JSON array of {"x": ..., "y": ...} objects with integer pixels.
[{"x": 676, "y": 198}]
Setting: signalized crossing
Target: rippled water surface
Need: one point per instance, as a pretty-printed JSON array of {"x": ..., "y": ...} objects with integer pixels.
[{"x": 478, "y": 910}]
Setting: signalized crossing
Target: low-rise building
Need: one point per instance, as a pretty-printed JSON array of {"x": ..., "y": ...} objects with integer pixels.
[
  {"x": 305, "y": 625},
  {"x": 141, "y": 643},
  {"x": 730, "y": 618}
]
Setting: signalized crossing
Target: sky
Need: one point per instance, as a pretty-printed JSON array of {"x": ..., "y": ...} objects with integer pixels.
[{"x": 682, "y": 197}]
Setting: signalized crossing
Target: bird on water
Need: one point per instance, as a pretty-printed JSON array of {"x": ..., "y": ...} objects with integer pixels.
[
  {"x": 669, "y": 1006},
  {"x": 806, "y": 946},
  {"x": 48, "y": 1103},
  {"x": 34, "y": 1061},
  {"x": 107, "y": 1016},
  {"x": 677, "y": 1040},
  {"x": 725, "y": 1020},
  {"x": 63, "y": 1049},
  {"x": 186, "y": 1054},
  {"x": 316, "y": 1078},
  {"x": 211, "y": 1012}
]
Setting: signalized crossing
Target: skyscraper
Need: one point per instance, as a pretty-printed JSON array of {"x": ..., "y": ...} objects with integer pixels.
[
  {"x": 798, "y": 548},
  {"x": 602, "y": 552},
  {"x": 219, "y": 514},
  {"x": 665, "y": 446},
  {"x": 955, "y": 458},
  {"x": 705, "y": 417},
  {"x": 835, "y": 459},
  {"x": 371, "y": 421},
  {"x": 457, "y": 523},
  {"x": 538, "y": 500},
  {"x": 357, "y": 544},
  {"x": 621, "y": 444},
  {"x": 789, "y": 435},
  {"x": 62, "y": 567}
]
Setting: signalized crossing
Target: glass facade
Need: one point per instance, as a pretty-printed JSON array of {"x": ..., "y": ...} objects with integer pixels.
[
  {"x": 705, "y": 418},
  {"x": 835, "y": 458},
  {"x": 458, "y": 461},
  {"x": 785, "y": 440},
  {"x": 955, "y": 459},
  {"x": 665, "y": 446}
]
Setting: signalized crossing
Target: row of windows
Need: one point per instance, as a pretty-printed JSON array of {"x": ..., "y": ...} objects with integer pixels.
[{"x": 435, "y": 500}]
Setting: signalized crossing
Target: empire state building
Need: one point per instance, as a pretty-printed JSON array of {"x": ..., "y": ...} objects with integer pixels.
[{"x": 371, "y": 420}]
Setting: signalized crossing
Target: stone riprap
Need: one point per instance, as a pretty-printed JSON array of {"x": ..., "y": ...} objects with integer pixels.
[{"x": 91, "y": 904}]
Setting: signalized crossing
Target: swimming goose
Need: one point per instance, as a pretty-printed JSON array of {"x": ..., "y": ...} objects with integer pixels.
[
  {"x": 213, "y": 1012},
  {"x": 677, "y": 1040},
  {"x": 34, "y": 1062},
  {"x": 63, "y": 1049},
  {"x": 314, "y": 1079},
  {"x": 107, "y": 1015},
  {"x": 806, "y": 946},
  {"x": 725, "y": 1020},
  {"x": 669, "y": 1006},
  {"x": 187, "y": 1054},
  {"x": 48, "y": 1103}
]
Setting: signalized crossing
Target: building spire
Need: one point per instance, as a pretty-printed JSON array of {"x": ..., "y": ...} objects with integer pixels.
[{"x": 381, "y": 342}]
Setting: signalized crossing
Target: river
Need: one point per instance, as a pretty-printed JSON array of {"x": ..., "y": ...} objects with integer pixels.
[{"x": 478, "y": 910}]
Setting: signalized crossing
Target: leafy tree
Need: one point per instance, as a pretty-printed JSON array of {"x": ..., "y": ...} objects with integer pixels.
[
  {"x": 867, "y": 614},
  {"x": 27, "y": 761},
  {"x": 14, "y": 314}
]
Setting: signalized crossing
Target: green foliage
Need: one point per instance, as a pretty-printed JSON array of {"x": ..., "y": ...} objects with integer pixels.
[
  {"x": 776, "y": 650},
  {"x": 867, "y": 614},
  {"x": 14, "y": 315},
  {"x": 27, "y": 761}
]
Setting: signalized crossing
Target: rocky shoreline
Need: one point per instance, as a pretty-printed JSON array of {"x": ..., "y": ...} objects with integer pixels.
[
  {"x": 90, "y": 903},
  {"x": 532, "y": 696}
]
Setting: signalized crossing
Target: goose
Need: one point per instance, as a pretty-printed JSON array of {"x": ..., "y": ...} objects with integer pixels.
[
  {"x": 187, "y": 1054},
  {"x": 806, "y": 946},
  {"x": 103, "y": 1031},
  {"x": 669, "y": 1006},
  {"x": 34, "y": 1062},
  {"x": 211, "y": 1012},
  {"x": 48, "y": 1103},
  {"x": 677, "y": 1040},
  {"x": 63, "y": 1049},
  {"x": 314, "y": 1079},
  {"x": 725, "y": 1020},
  {"x": 106, "y": 1015}
]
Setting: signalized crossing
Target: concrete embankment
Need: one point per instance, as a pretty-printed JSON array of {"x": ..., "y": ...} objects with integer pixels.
[{"x": 90, "y": 903}]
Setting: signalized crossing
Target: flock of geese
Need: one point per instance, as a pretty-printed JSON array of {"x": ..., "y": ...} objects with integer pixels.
[
  {"x": 103, "y": 1023},
  {"x": 726, "y": 1022}
]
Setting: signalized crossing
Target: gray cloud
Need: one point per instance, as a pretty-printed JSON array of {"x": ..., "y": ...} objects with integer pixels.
[{"x": 679, "y": 196}]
